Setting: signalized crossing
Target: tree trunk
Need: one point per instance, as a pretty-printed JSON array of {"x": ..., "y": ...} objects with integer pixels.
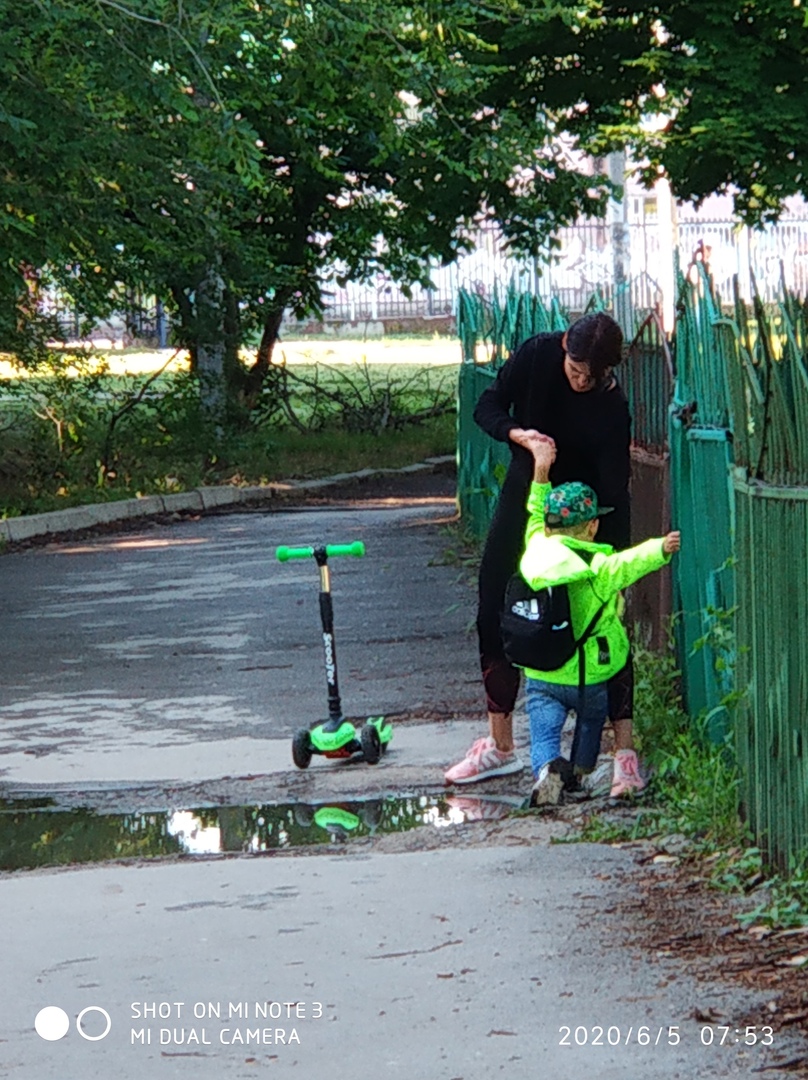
[
  {"x": 211, "y": 341},
  {"x": 257, "y": 375},
  {"x": 187, "y": 331},
  {"x": 232, "y": 340},
  {"x": 234, "y": 829}
]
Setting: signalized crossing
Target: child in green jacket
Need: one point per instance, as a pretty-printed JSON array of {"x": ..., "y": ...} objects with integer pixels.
[{"x": 561, "y": 549}]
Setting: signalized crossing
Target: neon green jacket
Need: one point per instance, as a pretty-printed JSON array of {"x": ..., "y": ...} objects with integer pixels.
[{"x": 554, "y": 560}]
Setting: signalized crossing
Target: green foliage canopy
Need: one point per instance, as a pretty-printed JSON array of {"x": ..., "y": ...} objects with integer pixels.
[
  {"x": 727, "y": 82},
  {"x": 159, "y": 144},
  {"x": 235, "y": 155}
]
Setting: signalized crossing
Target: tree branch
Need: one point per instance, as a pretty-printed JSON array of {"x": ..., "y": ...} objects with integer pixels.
[
  {"x": 130, "y": 404},
  {"x": 171, "y": 30}
]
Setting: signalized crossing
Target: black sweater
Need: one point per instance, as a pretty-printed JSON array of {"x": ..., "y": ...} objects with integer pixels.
[{"x": 592, "y": 430}]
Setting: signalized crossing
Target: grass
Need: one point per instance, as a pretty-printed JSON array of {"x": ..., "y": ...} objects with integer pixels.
[
  {"x": 67, "y": 440},
  {"x": 695, "y": 779},
  {"x": 292, "y": 455},
  {"x": 693, "y": 793},
  {"x": 405, "y": 337},
  {"x": 693, "y": 790}
]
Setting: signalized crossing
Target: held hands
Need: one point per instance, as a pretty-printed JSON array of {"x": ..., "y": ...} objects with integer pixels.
[
  {"x": 526, "y": 437},
  {"x": 542, "y": 447},
  {"x": 672, "y": 542},
  {"x": 544, "y": 454}
]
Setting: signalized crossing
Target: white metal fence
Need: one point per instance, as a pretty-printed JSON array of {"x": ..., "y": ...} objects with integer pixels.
[{"x": 582, "y": 263}]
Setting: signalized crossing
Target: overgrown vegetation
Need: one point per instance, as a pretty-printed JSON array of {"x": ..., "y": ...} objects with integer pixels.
[
  {"x": 697, "y": 779},
  {"x": 694, "y": 794},
  {"x": 86, "y": 436}
]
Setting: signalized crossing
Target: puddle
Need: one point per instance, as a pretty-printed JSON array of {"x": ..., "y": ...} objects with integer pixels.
[{"x": 35, "y": 833}]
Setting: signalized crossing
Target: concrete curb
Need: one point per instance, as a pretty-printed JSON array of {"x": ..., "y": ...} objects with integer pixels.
[{"x": 56, "y": 522}]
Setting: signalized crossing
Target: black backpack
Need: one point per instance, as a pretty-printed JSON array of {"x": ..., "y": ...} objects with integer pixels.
[{"x": 536, "y": 626}]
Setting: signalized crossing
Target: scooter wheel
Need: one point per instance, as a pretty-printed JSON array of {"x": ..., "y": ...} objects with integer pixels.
[
  {"x": 301, "y": 749},
  {"x": 372, "y": 813},
  {"x": 304, "y": 815},
  {"x": 371, "y": 744}
]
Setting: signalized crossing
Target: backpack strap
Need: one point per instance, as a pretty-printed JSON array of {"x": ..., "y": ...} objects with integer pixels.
[
  {"x": 587, "y": 557},
  {"x": 581, "y": 641}
]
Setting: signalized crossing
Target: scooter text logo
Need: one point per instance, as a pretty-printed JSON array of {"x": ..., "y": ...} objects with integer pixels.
[{"x": 330, "y": 670}]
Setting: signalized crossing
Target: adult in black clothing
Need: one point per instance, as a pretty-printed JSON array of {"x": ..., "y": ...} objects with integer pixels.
[{"x": 561, "y": 387}]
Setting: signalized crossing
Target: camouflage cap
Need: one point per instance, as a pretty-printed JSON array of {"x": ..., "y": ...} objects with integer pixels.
[{"x": 572, "y": 504}]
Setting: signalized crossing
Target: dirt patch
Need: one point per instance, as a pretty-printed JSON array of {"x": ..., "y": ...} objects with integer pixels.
[
  {"x": 438, "y": 483},
  {"x": 673, "y": 912}
]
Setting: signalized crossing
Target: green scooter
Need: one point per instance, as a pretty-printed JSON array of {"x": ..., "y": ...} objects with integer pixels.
[
  {"x": 335, "y": 737},
  {"x": 342, "y": 819}
]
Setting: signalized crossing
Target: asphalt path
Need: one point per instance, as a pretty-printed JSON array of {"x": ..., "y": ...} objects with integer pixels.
[
  {"x": 187, "y": 653},
  {"x": 192, "y": 634},
  {"x": 454, "y": 964}
]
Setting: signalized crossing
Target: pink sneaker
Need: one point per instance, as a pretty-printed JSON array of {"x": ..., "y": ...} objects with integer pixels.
[
  {"x": 626, "y": 774},
  {"x": 482, "y": 762}
]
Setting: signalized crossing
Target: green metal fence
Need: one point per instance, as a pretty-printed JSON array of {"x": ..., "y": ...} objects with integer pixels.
[
  {"x": 647, "y": 377},
  {"x": 499, "y": 325},
  {"x": 481, "y": 461},
  {"x": 738, "y": 439},
  {"x": 768, "y": 379},
  {"x": 772, "y": 718},
  {"x": 702, "y": 504}
]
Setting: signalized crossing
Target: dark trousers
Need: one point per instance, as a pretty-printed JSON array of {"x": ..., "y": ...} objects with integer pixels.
[{"x": 503, "y": 549}]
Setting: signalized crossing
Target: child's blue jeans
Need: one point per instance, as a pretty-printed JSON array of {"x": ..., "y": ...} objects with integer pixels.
[{"x": 547, "y": 708}]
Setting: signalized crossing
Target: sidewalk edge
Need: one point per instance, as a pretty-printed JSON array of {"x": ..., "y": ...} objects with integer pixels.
[{"x": 77, "y": 518}]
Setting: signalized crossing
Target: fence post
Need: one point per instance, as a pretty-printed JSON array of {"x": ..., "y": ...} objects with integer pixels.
[
  {"x": 160, "y": 326},
  {"x": 743, "y": 264},
  {"x": 621, "y": 250},
  {"x": 666, "y": 224}
]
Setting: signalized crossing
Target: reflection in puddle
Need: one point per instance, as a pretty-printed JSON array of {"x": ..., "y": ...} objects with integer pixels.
[{"x": 33, "y": 833}]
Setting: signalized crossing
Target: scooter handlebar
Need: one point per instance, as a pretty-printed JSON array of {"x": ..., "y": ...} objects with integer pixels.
[{"x": 284, "y": 554}]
